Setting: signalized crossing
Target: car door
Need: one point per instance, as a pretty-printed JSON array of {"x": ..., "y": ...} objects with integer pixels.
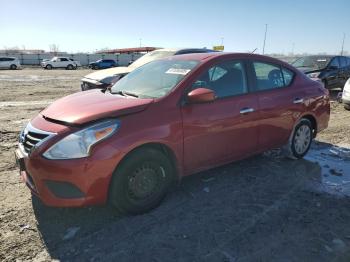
[
  {"x": 63, "y": 62},
  {"x": 333, "y": 79},
  {"x": 6, "y": 62},
  {"x": 102, "y": 64},
  {"x": 278, "y": 101},
  {"x": 225, "y": 129},
  {"x": 55, "y": 62}
]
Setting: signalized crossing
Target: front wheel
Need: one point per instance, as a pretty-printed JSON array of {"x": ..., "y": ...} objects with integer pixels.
[
  {"x": 69, "y": 67},
  {"x": 13, "y": 67},
  {"x": 300, "y": 142},
  {"x": 141, "y": 181},
  {"x": 49, "y": 67}
]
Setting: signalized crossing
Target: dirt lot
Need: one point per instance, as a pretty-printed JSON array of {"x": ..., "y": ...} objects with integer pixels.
[{"x": 265, "y": 208}]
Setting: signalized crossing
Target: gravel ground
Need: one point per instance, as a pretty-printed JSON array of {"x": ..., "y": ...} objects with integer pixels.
[{"x": 265, "y": 208}]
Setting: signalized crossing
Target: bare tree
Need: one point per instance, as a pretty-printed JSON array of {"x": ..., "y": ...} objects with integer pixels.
[{"x": 54, "y": 49}]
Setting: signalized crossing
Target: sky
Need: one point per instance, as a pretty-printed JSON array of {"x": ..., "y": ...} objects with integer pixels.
[{"x": 298, "y": 26}]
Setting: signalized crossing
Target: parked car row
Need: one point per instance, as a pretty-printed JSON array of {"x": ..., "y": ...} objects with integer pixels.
[
  {"x": 163, "y": 120},
  {"x": 57, "y": 62}
]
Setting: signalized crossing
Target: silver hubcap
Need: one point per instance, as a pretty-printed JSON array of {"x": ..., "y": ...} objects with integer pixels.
[{"x": 302, "y": 139}]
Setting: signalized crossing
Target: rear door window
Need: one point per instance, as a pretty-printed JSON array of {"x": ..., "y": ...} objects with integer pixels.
[
  {"x": 343, "y": 62},
  {"x": 270, "y": 76}
]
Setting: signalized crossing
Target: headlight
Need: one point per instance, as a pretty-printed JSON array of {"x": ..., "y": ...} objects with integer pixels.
[
  {"x": 313, "y": 75},
  {"x": 110, "y": 79},
  {"x": 78, "y": 144}
]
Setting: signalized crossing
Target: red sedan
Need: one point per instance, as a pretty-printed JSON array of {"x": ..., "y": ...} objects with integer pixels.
[{"x": 167, "y": 119}]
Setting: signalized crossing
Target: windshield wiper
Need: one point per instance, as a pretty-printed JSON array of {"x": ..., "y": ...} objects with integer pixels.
[{"x": 125, "y": 93}]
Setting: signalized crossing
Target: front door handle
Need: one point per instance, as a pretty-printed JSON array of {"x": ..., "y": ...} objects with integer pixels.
[
  {"x": 246, "y": 110},
  {"x": 298, "y": 101}
]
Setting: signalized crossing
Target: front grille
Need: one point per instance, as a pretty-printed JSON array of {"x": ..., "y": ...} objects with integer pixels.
[{"x": 31, "y": 137}]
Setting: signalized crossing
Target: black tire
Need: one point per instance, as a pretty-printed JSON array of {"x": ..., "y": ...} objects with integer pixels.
[
  {"x": 95, "y": 67},
  {"x": 13, "y": 67},
  {"x": 295, "y": 153},
  {"x": 133, "y": 175},
  {"x": 347, "y": 107},
  {"x": 49, "y": 67},
  {"x": 69, "y": 67}
]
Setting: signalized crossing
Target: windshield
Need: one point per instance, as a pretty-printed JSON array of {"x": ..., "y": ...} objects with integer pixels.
[
  {"x": 154, "y": 79},
  {"x": 315, "y": 62},
  {"x": 154, "y": 55}
]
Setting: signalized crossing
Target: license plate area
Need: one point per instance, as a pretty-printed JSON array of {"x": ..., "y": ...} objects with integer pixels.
[{"x": 19, "y": 157}]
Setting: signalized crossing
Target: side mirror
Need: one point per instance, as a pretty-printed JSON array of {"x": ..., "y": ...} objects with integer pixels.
[{"x": 201, "y": 95}]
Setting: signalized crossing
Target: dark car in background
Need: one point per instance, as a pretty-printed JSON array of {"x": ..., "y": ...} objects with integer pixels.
[
  {"x": 103, "y": 64},
  {"x": 332, "y": 71},
  {"x": 105, "y": 78}
]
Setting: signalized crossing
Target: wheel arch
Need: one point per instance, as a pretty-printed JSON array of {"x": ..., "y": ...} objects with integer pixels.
[
  {"x": 313, "y": 121},
  {"x": 163, "y": 148}
]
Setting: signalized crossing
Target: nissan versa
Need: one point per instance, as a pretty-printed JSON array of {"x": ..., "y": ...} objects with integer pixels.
[{"x": 165, "y": 120}]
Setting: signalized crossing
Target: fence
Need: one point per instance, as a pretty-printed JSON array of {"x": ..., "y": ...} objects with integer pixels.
[{"x": 84, "y": 59}]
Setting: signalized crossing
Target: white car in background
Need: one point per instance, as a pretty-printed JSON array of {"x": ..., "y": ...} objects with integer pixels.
[
  {"x": 60, "y": 62},
  {"x": 346, "y": 95},
  {"x": 9, "y": 62},
  {"x": 107, "y": 77}
]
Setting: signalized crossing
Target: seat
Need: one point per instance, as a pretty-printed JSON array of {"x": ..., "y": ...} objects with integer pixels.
[{"x": 230, "y": 84}]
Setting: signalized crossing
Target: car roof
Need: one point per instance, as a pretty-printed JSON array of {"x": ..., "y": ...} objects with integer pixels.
[
  {"x": 212, "y": 55},
  {"x": 175, "y": 50},
  {"x": 204, "y": 57}
]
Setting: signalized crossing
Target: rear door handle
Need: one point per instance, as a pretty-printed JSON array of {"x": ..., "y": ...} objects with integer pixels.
[
  {"x": 298, "y": 100},
  {"x": 246, "y": 110}
]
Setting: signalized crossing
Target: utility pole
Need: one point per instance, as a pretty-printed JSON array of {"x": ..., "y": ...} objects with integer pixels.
[
  {"x": 342, "y": 46},
  {"x": 265, "y": 38}
]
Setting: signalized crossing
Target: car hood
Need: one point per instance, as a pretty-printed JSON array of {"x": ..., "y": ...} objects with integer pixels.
[
  {"x": 308, "y": 70},
  {"x": 84, "y": 107},
  {"x": 101, "y": 74}
]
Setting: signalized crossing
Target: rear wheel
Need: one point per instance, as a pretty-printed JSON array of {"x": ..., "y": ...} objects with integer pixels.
[
  {"x": 141, "y": 181},
  {"x": 300, "y": 142},
  {"x": 347, "y": 107},
  {"x": 13, "y": 67},
  {"x": 49, "y": 67}
]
